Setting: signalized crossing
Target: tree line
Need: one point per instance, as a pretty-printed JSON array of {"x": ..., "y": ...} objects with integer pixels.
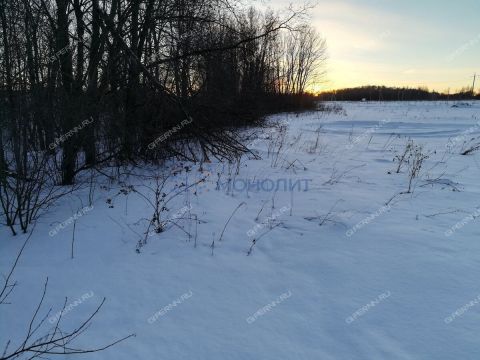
[
  {"x": 383, "y": 93},
  {"x": 92, "y": 83}
]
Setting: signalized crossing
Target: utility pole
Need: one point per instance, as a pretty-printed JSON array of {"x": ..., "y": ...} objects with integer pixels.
[{"x": 473, "y": 86}]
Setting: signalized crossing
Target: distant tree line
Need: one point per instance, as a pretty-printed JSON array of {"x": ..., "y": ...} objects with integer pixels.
[{"x": 383, "y": 93}]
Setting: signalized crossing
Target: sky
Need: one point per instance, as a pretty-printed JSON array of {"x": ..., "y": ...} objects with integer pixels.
[{"x": 398, "y": 42}]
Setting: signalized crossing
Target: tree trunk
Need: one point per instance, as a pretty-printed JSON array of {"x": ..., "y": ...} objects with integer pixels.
[{"x": 66, "y": 69}]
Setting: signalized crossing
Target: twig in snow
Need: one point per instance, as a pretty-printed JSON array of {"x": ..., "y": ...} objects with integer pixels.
[
  {"x": 258, "y": 215},
  {"x": 233, "y": 213},
  {"x": 254, "y": 241},
  {"x": 73, "y": 237}
]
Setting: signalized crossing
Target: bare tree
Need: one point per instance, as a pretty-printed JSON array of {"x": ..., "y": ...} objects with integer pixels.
[{"x": 138, "y": 69}]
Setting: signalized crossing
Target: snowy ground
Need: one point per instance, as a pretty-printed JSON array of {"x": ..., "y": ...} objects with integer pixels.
[{"x": 335, "y": 274}]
